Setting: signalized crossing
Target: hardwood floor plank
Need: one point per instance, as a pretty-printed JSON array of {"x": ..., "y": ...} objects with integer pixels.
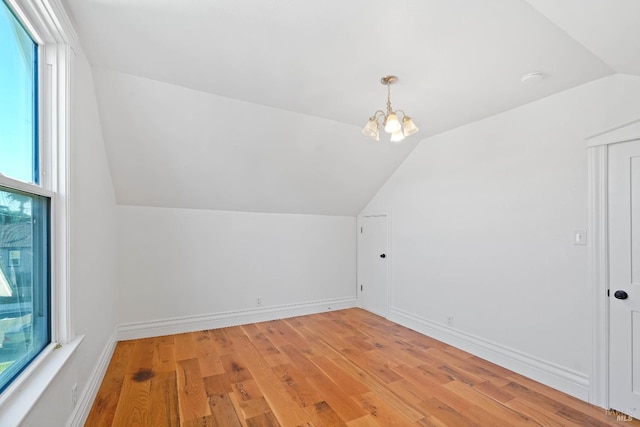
[
  {"x": 296, "y": 385},
  {"x": 461, "y": 375},
  {"x": 486, "y": 418},
  {"x": 263, "y": 420},
  {"x": 254, "y": 407},
  {"x": 366, "y": 421},
  {"x": 384, "y": 413},
  {"x": 192, "y": 396},
  {"x": 106, "y": 401},
  {"x": 262, "y": 344},
  {"x": 493, "y": 391},
  {"x": 446, "y": 414},
  {"x": 217, "y": 384},
  {"x": 541, "y": 416},
  {"x": 283, "y": 407},
  {"x": 489, "y": 405},
  {"x": 374, "y": 364},
  {"x": 133, "y": 406},
  {"x": 164, "y": 405},
  {"x": 423, "y": 388},
  {"x": 290, "y": 335},
  {"x": 207, "y": 421},
  {"x": 433, "y": 372},
  {"x": 336, "y": 398},
  {"x": 141, "y": 358},
  {"x": 579, "y": 405},
  {"x": 164, "y": 359},
  {"x": 222, "y": 341},
  {"x": 301, "y": 360},
  {"x": 207, "y": 355},
  {"x": 348, "y": 383},
  {"x": 481, "y": 370},
  {"x": 185, "y": 348},
  {"x": 272, "y": 333},
  {"x": 223, "y": 411},
  {"x": 247, "y": 390},
  {"x": 341, "y": 368},
  {"x": 327, "y": 416},
  {"x": 234, "y": 368}
]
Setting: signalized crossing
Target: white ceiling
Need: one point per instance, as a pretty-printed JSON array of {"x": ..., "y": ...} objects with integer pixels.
[
  {"x": 257, "y": 105},
  {"x": 608, "y": 28}
]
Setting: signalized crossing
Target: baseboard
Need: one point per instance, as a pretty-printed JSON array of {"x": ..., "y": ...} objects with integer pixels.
[
  {"x": 558, "y": 377},
  {"x": 85, "y": 401},
  {"x": 130, "y": 331}
]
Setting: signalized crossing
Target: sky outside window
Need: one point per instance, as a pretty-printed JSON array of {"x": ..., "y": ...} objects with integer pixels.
[{"x": 17, "y": 100}]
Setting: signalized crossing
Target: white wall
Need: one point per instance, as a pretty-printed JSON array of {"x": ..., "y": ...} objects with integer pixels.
[
  {"x": 175, "y": 263},
  {"x": 93, "y": 260},
  {"x": 483, "y": 221}
]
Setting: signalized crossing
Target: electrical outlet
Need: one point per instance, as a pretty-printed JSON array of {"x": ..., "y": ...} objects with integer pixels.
[
  {"x": 74, "y": 395},
  {"x": 450, "y": 321},
  {"x": 259, "y": 301}
]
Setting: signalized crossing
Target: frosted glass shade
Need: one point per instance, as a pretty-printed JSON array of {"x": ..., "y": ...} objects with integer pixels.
[
  {"x": 391, "y": 124},
  {"x": 370, "y": 130},
  {"x": 408, "y": 127},
  {"x": 397, "y": 136}
]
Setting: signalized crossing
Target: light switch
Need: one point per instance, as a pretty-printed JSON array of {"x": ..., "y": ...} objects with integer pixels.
[{"x": 580, "y": 237}]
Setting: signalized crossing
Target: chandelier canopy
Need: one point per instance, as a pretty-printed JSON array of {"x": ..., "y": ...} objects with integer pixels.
[{"x": 390, "y": 121}]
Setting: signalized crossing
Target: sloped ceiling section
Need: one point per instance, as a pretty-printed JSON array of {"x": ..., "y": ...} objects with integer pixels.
[
  {"x": 608, "y": 28},
  {"x": 170, "y": 146},
  {"x": 257, "y": 105}
]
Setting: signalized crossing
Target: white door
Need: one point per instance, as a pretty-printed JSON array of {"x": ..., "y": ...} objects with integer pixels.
[
  {"x": 624, "y": 278},
  {"x": 373, "y": 259}
]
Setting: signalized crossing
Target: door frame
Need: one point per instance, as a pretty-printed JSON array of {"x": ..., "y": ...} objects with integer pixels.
[
  {"x": 389, "y": 252},
  {"x": 598, "y": 271}
]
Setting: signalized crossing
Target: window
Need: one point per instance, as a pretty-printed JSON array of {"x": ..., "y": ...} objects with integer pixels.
[{"x": 25, "y": 206}]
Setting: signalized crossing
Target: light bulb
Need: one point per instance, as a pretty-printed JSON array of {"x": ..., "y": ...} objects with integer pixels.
[
  {"x": 391, "y": 123},
  {"x": 397, "y": 136}
]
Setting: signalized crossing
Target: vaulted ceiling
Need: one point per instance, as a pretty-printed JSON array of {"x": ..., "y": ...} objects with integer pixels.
[{"x": 257, "y": 105}]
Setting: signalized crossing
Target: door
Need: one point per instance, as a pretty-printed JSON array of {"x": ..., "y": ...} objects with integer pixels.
[
  {"x": 624, "y": 278},
  {"x": 373, "y": 259}
]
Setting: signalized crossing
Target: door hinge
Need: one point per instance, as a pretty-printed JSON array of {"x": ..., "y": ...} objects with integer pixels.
[
  {"x": 361, "y": 230},
  {"x": 360, "y": 288},
  {"x": 608, "y": 294}
]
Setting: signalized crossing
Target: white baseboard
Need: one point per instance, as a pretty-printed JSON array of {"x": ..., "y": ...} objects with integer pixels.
[
  {"x": 85, "y": 400},
  {"x": 558, "y": 377},
  {"x": 130, "y": 331}
]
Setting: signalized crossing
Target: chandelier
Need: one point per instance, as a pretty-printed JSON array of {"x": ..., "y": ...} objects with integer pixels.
[{"x": 390, "y": 121}]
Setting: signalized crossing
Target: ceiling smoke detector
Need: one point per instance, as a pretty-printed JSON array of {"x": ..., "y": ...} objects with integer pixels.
[{"x": 532, "y": 78}]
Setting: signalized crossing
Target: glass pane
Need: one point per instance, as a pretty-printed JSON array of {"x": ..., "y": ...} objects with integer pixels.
[
  {"x": 24, "y": 280},
  {"x": 18, "y": 94}
]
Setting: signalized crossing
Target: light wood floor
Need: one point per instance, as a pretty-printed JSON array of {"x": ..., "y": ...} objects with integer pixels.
[{"x": 339, "y": 368}]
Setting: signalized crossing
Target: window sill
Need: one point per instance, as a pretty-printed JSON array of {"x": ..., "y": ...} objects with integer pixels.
[{"x": 19, "y": 398}]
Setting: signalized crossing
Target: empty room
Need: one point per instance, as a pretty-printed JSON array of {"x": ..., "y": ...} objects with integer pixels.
[{"x": 356, "y": 213}]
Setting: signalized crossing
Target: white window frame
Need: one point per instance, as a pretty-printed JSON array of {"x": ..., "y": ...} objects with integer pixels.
[{"x": 50, "y": 28}]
